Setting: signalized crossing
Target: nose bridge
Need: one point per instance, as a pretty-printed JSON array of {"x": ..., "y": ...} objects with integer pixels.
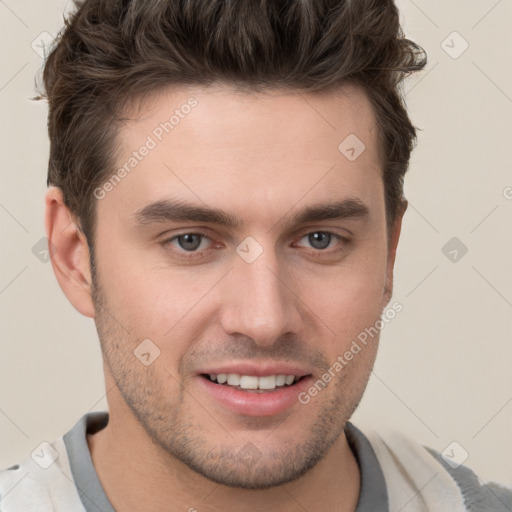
[{"x": 260, "y": 304}]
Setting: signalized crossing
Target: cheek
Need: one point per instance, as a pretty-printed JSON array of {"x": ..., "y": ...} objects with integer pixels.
[
  {"x": 350, "y": 300},
  {"x": 151, "y": 301}
]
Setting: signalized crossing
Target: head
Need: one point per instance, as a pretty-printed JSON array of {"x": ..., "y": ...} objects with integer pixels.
[{"x": 256, "y": 231}]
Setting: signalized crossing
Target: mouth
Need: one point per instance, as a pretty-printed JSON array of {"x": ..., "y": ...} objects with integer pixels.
[
  {"x": 253, "y": 383},
  {"x": 247, "y": 389}
]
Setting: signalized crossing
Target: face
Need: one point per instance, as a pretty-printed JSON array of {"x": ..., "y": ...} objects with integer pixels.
[{"x": 242, "y": 245}]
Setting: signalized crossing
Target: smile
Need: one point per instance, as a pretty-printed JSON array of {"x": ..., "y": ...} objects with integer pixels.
[{"x": 252, "y": 382}]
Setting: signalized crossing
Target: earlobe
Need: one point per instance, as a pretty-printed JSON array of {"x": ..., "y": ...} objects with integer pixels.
[
  {"x": 392, "y": 248},
  {"x": 69, "y": 252}
]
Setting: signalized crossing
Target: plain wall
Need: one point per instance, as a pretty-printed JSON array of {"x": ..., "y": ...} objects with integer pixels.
[{"x": 443, "y": 369}]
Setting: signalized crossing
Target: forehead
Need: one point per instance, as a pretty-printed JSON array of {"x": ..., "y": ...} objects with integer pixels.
[
  {"x": 265, "y": 151},
  {"x": 224, "y": 117}
]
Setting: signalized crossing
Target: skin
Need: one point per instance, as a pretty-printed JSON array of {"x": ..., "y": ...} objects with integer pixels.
[{"x": 261, "y": 157}]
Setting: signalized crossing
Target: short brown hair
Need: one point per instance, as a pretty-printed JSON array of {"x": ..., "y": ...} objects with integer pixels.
[{"x": 111, "y": 52}]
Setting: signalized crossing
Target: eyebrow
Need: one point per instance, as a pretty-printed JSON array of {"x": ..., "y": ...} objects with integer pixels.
[{"x": 181, "y": 211}]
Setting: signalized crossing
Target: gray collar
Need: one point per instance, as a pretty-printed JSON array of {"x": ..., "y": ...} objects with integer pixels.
[
  {"x": 86, "y": 479},
  {"x": 373, "y": 495}
]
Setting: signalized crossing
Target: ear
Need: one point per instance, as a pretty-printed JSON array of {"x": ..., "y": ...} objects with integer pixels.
[
  {"x": 392, "y": 247},
  {"x": 69, "y": 252}
]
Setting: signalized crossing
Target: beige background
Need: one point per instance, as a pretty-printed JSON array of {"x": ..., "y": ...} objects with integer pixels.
[{"x": 443, "y": 370}]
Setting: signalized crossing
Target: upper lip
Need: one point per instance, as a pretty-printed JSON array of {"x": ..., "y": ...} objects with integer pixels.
[{"x": 261, "y": 369}]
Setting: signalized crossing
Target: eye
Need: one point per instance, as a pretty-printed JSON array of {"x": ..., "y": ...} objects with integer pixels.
[
  {"x": 321, "y": 240},
  {"x": 188, "y": 245},
  {"x": 189, "y": 241}
]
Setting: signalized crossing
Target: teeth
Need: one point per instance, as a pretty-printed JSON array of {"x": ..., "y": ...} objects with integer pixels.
[
  {"x": 253, "y": 382},
  {"x": 268, "y": 382},
  {"x": 234, "y": 379},
  {"x": 247, "y": 382}
]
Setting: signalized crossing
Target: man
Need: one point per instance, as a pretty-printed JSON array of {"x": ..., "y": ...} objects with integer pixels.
[{"x": 226, "y": 201}]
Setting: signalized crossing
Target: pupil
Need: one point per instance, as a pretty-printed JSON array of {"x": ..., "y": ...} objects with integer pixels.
[
  {"x": 189, "y": 242},
  {"x": 320, "y": 240}
]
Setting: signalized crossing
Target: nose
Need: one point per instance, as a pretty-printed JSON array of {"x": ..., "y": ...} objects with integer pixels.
[{"x": 259, "y": 300}]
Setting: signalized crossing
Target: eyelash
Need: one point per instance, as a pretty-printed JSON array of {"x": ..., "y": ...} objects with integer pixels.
[{"x": 317, "y": 252}]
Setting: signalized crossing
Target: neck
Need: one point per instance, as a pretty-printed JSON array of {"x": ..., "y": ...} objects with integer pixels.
[{"x": 137, "y": 475}]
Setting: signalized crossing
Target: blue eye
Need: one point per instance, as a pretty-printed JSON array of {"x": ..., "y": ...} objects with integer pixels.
[
  {"x": 189, "y": 241},
  {"x": 321, "y": 240},
  {"x": 188, "y": 245}
]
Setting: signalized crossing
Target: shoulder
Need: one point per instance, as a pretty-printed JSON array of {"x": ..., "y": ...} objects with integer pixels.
[
  {"x": 420, "y": 478},
  {"x": 478, "y": 495},
  {"x": 40, "y": 483}
]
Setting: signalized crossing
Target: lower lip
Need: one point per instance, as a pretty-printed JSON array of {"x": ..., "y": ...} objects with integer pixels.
[{"x": 250, "y": 403}]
